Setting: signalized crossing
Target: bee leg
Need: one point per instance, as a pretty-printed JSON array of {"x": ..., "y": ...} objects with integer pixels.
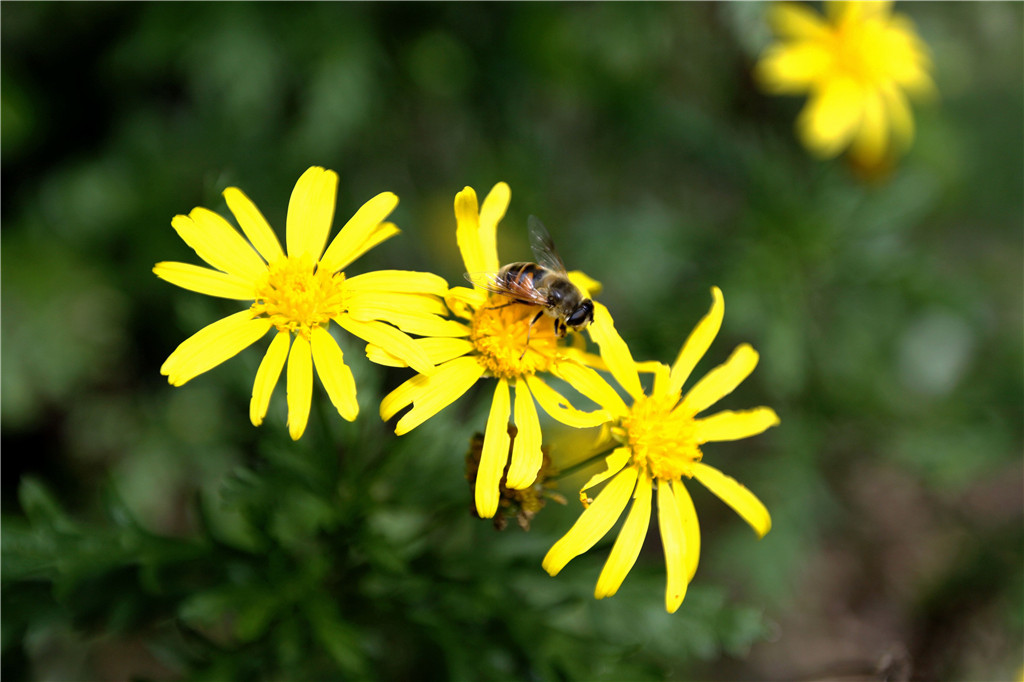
[{"x": 530, "y": 329}]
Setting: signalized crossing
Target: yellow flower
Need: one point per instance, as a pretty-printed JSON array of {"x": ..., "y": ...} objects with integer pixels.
[
  {"x": 857, "y": 64},
  {"x": 298, "y": 293},
  {"x": 495, "y": 339},
  {"x": 657, "y": 442}
]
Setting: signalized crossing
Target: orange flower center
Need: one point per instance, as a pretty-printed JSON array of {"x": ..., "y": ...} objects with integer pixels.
[
  {"x": 508, "y": 345},
  {"x": 662, "y": 440},
  {"x": 297, "y": 296}
]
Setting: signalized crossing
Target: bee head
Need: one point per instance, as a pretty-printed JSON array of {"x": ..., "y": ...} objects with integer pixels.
[{"x": 582, "y": 315}]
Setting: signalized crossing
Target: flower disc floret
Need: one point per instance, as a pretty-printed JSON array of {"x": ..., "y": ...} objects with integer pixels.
[
  {"x": 663, "y": 440},
  {"x": 508, "y": 345},
  {"x": 296, "y": 296}
]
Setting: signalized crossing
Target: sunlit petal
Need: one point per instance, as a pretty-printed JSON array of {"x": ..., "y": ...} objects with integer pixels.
[
  {"x": 730, "y": 425},
  {"x": 589, "y": 383},
  {"x": 206, "y": 281},
  {"x": 254, "y": 225},
  {"x": 212, "y": 345},
  {"x": 300, "y": 386},
  {"x": 721, "y": 381},
  {"x": 736, "y": 495},
  {"x": 593, "y": 523},
  {"x": 673, "y": 541},
  {"x": 526, "y": 454},
  {"x": 399, "y": 281},
  {"x": 494, "y": 454},
  {"x": 311, "y": 212},
  {"x": 556, "y": 406},
  {"x": 614, "y": 351},
  {"x": 440, "y": 390},
  {"x": 216, "y": 242},
  {"x": 393, "y": 340},
  {"x": 267, "y": 376},
  {"x": 334, "y": 373},
  {"x": 493, "y": 210},
  {"x": 796, "y": 21},
  {"x": 691, "y": 528},
  {"x": 355, "y": 237},
  {"x": 628, "y": 544},
  {"x": 613, "y": 464},
  {"x": 698, "y": 342}
]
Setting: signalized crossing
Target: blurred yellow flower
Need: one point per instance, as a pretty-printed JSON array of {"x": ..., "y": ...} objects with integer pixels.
[
  {"x": 298, "y": 294},
  {"x": 858, "y": 63},
  {"x": 657, "y": 442},
  {"x": 496, "y": 340}
]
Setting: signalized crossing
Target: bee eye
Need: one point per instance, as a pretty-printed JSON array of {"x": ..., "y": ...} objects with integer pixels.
[{"x": 583, "y": 315}]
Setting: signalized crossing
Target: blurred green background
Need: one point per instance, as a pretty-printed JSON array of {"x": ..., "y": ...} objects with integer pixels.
[{"x": 151, "y": 532}]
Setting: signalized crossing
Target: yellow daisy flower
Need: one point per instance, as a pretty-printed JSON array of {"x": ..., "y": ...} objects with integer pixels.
[
  {"x": 657, "y": 442},
  {"x": 298, "y": 293},
  {"x": 495, "y": 339},
  {"x": 858, "y": 63}
]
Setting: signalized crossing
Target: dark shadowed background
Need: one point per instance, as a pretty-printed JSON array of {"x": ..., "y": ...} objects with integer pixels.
[{"x": 151, "y": 532}]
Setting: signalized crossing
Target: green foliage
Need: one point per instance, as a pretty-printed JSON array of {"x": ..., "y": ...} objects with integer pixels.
[{"x": 151, "y": 532}]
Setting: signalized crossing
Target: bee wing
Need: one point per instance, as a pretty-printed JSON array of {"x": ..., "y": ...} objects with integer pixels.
[
  {"x": 543, "y": 246},
  {"x": 521, "y": 289}
]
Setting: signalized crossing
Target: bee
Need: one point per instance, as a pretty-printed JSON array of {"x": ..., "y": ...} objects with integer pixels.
[{"x": 544, "y": 283}]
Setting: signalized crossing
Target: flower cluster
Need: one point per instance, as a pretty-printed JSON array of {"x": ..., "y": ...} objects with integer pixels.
[
  {"x": 650, "y": 441},
  {"x": 858, "y": 63}
]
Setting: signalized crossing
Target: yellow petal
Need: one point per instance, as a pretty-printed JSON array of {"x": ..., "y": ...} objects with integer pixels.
[
  {"x": 494, "y": 454},
  {"x": 438, "y": 350},
  {"x": 674, "y": 544},
  {"x": 311, "y": 212},
  {"x": 585, "y": 283},
  {"x": 493, "y": 210},
  {"x": 831, "y": 117},
  {"x": 730, "y": 425},
  {"x": 897, "y": 110},
  {"x": 613, "y": 464},
  {"x": 795, "y": 21},
  {"x": 526, "y": 455},
  {"x": 556, "y": 406},
  {"x": 872, "y": 139},
  {"x": 698, "y": 342},
  {"x": 589, "y": 383},
  {"x": 628, "y": 544},
  {"x": 266, "y": 377},
  {"x": 593, "y": 523},
  {"x": 334, "y": 373},
  {"x": 792, "y": 69},
  {"x": 440, "y": 390},
  {"x": 254, "y": 225},
  {"x": 410, "y": 319},
  {"x": 380, "y": 304},
  {"x": 212, "y": 345},
  {"x": 402, "y": 396},
  {"x": 205, "y": 280},
  {"x": 356, "y": 237},
  {"x": 465, "y": 302},
  {"x": 389, "y": 338},
  {"x": 399, "y": 281},
  {"x": 216, "y": 242},
  {"x": 382, "y": 233},
  {"x": 300, "y": 386},
  {"x": 721, "y": 381},
  {"x": 691, "y": 529},
  {"x": 614, "y": 351},
  {"x": 736, "y": 495}
]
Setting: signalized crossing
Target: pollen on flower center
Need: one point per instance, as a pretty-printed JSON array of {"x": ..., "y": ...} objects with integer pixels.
[
  {"x": 297, "y": 296},
  {"x": 662, "y": 441},
  {"x": 507, "y": 344}
]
